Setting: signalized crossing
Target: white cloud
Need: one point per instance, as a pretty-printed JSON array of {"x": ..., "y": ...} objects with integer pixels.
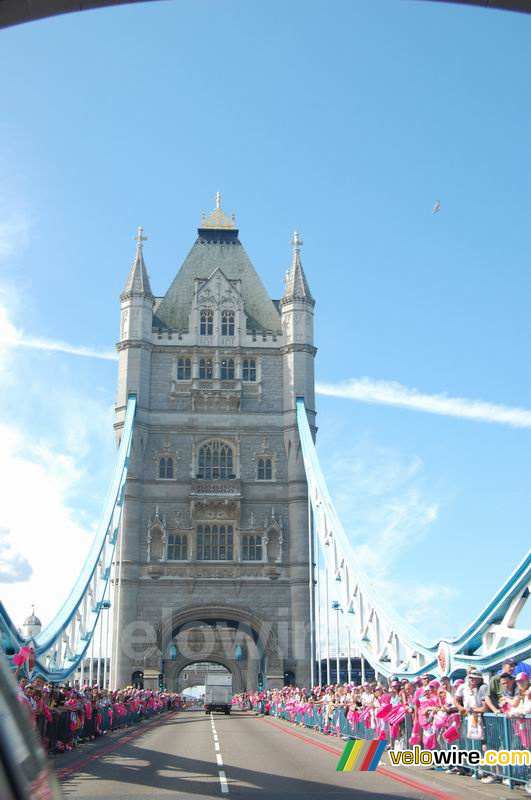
[
  {"x": 425, "y": 607},
  {"x": 7, "y": 334},
  {"x": 388, "y": 515},
  {"x": 11, "y": 337},
  {"x": 56, "y": 456},
  {"x": 36, "y": 482},
  {"x": 63, "y": 347},
  {"x": 390, "y": 393},
  {"x": 13, "y": 566}
]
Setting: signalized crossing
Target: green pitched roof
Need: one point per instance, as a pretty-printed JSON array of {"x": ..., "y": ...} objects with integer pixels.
[{"x": 217, "y": 248}]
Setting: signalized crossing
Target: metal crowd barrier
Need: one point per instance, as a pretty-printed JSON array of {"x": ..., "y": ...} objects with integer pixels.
[
  {"x": 501, "y": 733},
  {"x": 58, "y": 733}
]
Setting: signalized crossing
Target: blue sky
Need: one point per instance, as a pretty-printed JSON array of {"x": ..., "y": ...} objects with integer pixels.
[{"x": 345, "y": 121}]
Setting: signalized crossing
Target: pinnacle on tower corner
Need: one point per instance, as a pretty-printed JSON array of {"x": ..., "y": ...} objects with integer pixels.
[
  {"x": 138, "y": 281},
  {"x": 297, "y": 287}
]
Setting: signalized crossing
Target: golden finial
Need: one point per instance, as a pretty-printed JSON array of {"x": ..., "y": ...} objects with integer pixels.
[{"x": 218, "y": 218}]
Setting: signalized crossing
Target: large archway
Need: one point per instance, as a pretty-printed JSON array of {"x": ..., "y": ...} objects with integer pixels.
[{"x": 232, "y": 637}]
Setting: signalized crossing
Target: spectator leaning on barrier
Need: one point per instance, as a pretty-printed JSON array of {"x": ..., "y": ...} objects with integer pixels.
[
  {"x": 503, "y": 694},
  {"x": 470, "y": 701},
  {"x": 496, "y": 690},
  {"x": 521, "y": 703}
]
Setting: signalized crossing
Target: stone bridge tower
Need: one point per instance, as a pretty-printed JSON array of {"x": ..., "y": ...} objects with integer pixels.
[{"x": 215, "y": 522}]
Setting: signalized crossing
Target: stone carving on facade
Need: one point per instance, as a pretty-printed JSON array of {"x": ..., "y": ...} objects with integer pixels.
[
  {"x": 206, "y": 298},
  {"x": 166, "y": 449},
  {"x": 227, "y": 299},
  {"x": 229, "y": 570},
  {"x": 273, "y": 538},
  {"x": 217, "y": 397},
  {"x": 218, "y": 489},
  {"x": 156, "y": 536}
]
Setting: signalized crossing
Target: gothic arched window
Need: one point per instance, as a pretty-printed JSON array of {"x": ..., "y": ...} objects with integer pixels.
[
  {"x": 206, "y": 371},
  {"x": 251, "y": 547},
  {"x": 227, "y": 323},
  {"x": 215, "y": 461},
  {"x": 177, "y": 547},
  {"x": 249, "y": 370},
  {"x": 166, "y": 468},
  {"x": 214, "y": 543},
  {"x": 206, "y": 322},
  {"x": 227, "y": 369},
  {"x": 264, "y": 469},
  {"x": 184, "y": 369}
]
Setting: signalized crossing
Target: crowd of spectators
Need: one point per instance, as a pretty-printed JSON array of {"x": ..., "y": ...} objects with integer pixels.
[
  {"x": 428, "y": 711},
  {"x": 67, "y": 716}
]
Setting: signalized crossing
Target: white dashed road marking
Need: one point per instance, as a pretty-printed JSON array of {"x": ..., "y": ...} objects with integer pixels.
[
  {"x": 222, "y": 777},
  {"x": 223, "y": 781}
]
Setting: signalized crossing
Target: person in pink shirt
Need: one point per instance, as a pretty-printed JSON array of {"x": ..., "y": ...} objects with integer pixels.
[{"x": 422, "y": 690}]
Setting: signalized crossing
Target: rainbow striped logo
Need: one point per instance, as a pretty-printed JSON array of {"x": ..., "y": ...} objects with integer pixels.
[{"x": 361, "y": 755}]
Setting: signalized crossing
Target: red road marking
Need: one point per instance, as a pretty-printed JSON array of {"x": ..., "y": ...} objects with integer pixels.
[
  {"x": 304, "y": 738},
  {"x": 421, "y": 787},
  {"x": 414, "y": 785}
]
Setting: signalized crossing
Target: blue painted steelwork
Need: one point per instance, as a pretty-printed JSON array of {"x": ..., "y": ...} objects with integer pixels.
[
  {"x": 389, "y": 644},
  {"x": 62, "y": 644}
]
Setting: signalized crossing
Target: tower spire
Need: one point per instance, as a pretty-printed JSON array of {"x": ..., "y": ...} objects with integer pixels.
[
  {"x": 138, "y": 280},
  {"x": 296, "y": 284}
]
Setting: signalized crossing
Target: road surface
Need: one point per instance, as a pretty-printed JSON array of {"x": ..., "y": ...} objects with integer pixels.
[{"x": 242, "y": 756}]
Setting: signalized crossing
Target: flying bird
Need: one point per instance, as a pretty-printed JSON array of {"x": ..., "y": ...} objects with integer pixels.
[{"x": 436, "y": 207}]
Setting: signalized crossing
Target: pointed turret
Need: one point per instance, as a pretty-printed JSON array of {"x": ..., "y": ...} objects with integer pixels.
[
  {"x": 138, "y": 279},
  {"x": 136, "y": 325},
  {"x": 296, "y": 284},
  {"x": 297, "y": 308}
]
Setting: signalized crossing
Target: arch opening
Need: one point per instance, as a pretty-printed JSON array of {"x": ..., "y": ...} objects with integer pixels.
[{"x": 230, "y": 637}]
